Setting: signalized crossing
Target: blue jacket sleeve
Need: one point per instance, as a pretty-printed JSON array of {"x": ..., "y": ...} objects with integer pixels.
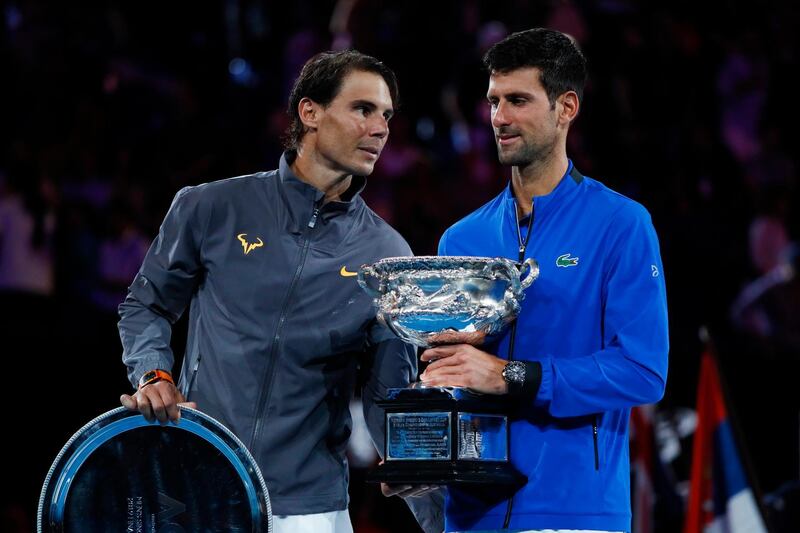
[
  {"x": 442, "y": 245},
  {"x": 631, "y": 369},
  {"x": 162, "y": 288}
]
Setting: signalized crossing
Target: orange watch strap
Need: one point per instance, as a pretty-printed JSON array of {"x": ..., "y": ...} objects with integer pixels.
[{"x": 154, "y": 376}]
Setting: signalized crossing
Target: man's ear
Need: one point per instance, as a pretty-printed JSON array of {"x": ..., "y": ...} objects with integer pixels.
[
  {"x": 568, "y": 107},
  {"x": 309, "y": 112}
]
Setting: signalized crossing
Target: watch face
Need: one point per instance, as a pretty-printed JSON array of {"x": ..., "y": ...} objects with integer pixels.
[
  {"x": 122, "y": 473},
  {"x": 514, "y": 372}
]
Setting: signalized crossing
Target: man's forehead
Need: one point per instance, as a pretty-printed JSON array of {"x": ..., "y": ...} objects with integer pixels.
[
  {"x": 521, "y": 79},
  {"x": 363, "y": 85}
]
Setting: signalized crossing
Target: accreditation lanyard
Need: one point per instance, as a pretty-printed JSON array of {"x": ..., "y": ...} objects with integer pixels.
[{"x": 523, "y": 245}]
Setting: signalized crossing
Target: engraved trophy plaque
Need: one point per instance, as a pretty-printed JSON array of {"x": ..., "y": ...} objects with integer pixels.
[
  {"x": 122, "y": 473},
  {"x": 446, "y": 435}
]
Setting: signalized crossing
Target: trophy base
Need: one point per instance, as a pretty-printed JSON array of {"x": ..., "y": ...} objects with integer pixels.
[{"x": 447, "y": 473}]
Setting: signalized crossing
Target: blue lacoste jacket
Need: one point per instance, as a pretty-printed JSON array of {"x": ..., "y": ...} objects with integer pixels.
[{"x": 596, "y": 320}]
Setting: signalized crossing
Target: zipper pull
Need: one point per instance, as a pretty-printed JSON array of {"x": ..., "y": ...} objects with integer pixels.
[{"x": 314, "y": 215}]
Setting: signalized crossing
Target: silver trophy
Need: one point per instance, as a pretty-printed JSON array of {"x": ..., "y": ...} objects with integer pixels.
[
  {"x": 431, "y": 300},
  {"x": 446, "y": 435}
]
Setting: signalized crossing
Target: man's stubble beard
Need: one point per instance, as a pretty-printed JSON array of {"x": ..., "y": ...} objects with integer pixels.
[{"x": 526, "y": 155}]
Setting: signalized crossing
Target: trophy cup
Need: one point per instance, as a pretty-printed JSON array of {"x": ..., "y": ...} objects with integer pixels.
[{"x": 446, "y": 435}]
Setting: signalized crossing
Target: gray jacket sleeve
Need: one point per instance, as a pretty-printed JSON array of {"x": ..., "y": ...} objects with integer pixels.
[
  {"x": 162, "y": 288},
  {"x": 394, "y": 364}
]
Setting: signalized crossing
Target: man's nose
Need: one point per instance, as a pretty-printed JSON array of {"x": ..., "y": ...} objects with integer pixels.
[
  {"x": 379, "y": 127},
  {"x": 499, "y": 116}
]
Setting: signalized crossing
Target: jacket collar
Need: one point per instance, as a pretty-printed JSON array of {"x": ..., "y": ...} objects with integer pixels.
[
  {"x": 302, "y": 198},
  {"x": 542, "y": 205}
]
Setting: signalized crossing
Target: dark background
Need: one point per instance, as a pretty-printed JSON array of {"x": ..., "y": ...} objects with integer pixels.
[{"x": 108, "y": 108}]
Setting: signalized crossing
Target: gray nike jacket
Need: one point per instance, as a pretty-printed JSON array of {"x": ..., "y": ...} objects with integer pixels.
[{"x": 277, "y": 323}]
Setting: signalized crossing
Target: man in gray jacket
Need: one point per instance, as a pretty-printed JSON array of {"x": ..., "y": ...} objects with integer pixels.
[{"x": 277, "y": 321}]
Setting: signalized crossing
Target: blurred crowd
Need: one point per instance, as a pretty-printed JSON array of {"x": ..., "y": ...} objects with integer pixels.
[{"x": 108, "y": 109}]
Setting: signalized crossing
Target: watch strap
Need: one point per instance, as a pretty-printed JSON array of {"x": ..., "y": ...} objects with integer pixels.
[{"x": 154, "y": 376}]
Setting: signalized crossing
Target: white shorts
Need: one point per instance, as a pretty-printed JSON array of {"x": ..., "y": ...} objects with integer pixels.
[{"x": 333, "y": 522}]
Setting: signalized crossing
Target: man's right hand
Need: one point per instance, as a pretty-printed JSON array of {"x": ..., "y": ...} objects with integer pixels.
[
  {"x": 158, "y": 400},
  {"x": 407, "y": 491}
]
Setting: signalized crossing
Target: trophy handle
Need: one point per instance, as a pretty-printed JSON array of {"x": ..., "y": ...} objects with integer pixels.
[
  {"x": 364, "y": 273},
  {"x": 532, "y": 267}
]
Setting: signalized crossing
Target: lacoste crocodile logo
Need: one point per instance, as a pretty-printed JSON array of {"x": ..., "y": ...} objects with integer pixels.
[
  {"x": 345, "y": 274},
  {"x": 565, "y": 261},
  {"x": 249, "y": 246}
]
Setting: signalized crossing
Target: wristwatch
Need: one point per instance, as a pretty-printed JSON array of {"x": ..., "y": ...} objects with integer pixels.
[
  {"x": 514, "y": 375},
  {"x": 154, "y": 376}
]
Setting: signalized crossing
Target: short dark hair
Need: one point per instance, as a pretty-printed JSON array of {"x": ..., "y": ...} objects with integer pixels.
[
  {"x": 321, "y": 79},
  {"x": 561, "y": 64}
]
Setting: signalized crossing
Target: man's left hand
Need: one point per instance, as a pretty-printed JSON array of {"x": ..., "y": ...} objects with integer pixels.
[{"x": 463, "y": 365}]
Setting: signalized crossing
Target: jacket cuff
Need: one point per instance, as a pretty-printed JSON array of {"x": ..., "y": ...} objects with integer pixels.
[
  {"x": 135, "y": 376},
  {"x": 530, "y": 387}
]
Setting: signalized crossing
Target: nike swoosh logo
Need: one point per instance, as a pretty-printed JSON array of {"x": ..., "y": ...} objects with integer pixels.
[{"x": 347, "y": 274}]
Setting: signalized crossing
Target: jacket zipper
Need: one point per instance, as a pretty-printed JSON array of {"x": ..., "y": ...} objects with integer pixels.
[
  {"x": 265, "y": 394},
  {"x": 594, "y": 437},
  {"x": 192, "y": 377},
  {"x": 523, "y": 245}
]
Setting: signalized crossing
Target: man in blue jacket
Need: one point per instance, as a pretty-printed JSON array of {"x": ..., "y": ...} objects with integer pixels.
[
  {"x": 277, "y": 322},
  {"x": 591, "y": 340}
]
